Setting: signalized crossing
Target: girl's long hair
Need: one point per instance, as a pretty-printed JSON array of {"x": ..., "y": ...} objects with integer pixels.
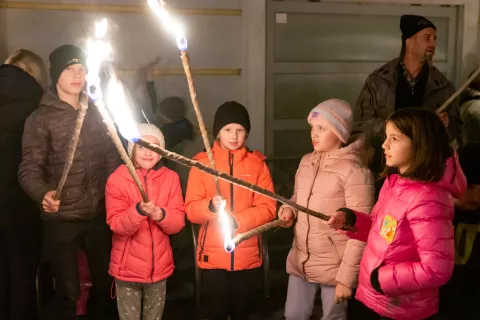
[{"x": 430, "y": 141}]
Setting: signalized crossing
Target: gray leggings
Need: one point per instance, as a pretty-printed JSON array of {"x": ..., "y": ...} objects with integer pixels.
[
  {"x": 140, "y": 301},
  {"x": 301, "y": 298}
]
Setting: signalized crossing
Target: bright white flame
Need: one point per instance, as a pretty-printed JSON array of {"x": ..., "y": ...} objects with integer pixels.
[
  {"x": 174, "y": 26},
  {"x": 117, "y": 104},
  {"x": 226, "y": 223},
  {"x": 98, "y": 51},
  {"x": 101, "y": 28}
]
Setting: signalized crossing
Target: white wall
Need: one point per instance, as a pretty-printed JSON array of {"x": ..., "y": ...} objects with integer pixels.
[{"x": 215, "y": 42}]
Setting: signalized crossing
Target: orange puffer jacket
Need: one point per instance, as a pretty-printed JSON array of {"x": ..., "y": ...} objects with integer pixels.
[{"x": 248, "y": 209}]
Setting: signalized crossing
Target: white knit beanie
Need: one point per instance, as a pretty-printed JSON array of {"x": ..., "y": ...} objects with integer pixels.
[
  {"x": 145, "y": 129},
  {"x": 337, "y": 114}
]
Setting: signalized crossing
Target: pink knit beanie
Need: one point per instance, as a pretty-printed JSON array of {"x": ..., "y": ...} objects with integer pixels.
[{"x": 335, "y": 113}]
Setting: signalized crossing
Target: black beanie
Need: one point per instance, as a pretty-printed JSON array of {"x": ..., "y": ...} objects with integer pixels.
[
  {"x": 63, "y": 57},
  {"x": 230, "y": 112},
  {"x": 411, "y": 25},
  {"x": 468, "y": 156}
]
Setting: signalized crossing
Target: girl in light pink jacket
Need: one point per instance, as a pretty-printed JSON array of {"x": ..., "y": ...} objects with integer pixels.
[
  {"x": 410, "y": 247},
  {"x": 331, "y": 177}
]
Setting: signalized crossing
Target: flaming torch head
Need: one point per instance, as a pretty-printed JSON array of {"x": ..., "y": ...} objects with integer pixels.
[
  {"x": 158, "y": 7},
  {"x": 226, "y": 222},
  {"x": 97, "y": 51},
  {"x": 120, "y": 110}
]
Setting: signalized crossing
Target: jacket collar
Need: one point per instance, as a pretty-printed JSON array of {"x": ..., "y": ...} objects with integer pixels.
[
  {"x": 436, "y": 80},
  {"x": 223, "y": 155}
]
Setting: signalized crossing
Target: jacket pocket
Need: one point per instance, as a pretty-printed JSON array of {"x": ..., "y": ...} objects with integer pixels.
[
  {"x": 202, "y": 238},
  {"x": 334, "y": 249}
]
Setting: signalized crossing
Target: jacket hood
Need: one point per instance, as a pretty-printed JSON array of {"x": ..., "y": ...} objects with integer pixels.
[
  {"x": 453, "y": 179},
  {"x": 355, "y": 150}
]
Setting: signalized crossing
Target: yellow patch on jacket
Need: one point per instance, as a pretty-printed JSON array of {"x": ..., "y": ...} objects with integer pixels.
[{"x": 389, "y": 228}]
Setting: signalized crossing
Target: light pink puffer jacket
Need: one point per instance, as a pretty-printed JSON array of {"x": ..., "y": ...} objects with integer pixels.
[
  {"x": 324, "y": 183},
  {"x": 410, "y": 240}
]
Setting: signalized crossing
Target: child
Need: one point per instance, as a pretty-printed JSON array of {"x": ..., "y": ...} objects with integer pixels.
[
  {"x": 331, "y": 177},
  {"x": 410, "y": 251},
  {"x": 77, "y": 219},
  {"x": 459, "y": 298},
  {"x": 141, "y": 258},
  {"x": 228, "y": 278}
]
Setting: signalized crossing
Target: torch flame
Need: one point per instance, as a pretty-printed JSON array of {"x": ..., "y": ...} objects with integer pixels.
[
  {"x": 101, "y": 28},
  {"x": 174, "y": 26},
  {"x": 226, "y": 223},
  {"x": 97, "y": 51},
  {"x": 118, "y": 106}
]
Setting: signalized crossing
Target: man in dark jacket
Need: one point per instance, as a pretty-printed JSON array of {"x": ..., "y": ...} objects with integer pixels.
[
  {"x": 20, "y": 224},
  {"x": 407, "y": 81},
  {"x": 77, "y": 220}
]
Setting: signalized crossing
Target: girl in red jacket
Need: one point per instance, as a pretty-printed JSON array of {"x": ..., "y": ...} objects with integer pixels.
[
  {"x": 141, "y": 258},
  {"x": 410, "y": 247},
  {"x": 228, "y": 278}
]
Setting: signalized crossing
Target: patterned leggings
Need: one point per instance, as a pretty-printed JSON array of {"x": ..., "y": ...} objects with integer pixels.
[{"x": 140, "y": 301}]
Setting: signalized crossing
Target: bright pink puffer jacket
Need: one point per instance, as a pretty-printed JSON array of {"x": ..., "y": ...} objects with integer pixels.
[
  {"x": 410, "y": 240},
  {"x": 141, "y": 250}
]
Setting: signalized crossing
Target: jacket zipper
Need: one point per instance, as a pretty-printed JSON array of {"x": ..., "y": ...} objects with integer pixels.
[
  {"x": 232, "y": 254},
  {"x": 151, "y": 234},
  {"x": 308, "y": 219}
]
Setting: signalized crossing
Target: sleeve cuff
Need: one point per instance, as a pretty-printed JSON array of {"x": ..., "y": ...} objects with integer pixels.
[
  {"x": 211, "y": 207},
  {"x": 351, "y": 217},
  {"x": 140, "y": 210},
  {"x": 163, "y": 215}
]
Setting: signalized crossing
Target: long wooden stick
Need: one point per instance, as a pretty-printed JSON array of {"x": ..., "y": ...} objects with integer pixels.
[
  {"x": 112, "y": 131},
  {"x": 459, "y": 91},
  {"x": 239, "y": 182},
  {"x": 239, "y": 238},
  {"x": 201, "y": 124},
  {"x": 72, "y": 146}
]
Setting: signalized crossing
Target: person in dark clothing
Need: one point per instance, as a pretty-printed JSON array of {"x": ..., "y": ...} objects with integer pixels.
[
  {"x": 459, "y": 298},
  {"x": 22, "y": 79},
  {"x": 170, "y": 117},
  {"x": 78, "y": 219},
  {"x": 409, "y": 80}
]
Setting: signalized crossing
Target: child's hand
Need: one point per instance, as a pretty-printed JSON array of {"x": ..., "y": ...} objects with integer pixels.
[
  {"x": 286, "y": 215},
  {"x": 49, "y": 204},
  {"x": 337, "y": 220},
  {"x": 342, "y": 293},
  {"x": 151, "y": 210},
  {"x": 217, "y": 202}
]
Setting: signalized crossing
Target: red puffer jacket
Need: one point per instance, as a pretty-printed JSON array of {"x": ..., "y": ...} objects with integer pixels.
[{"x": 141, "y": 250}]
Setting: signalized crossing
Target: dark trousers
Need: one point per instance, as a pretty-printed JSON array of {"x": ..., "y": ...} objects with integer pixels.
[
  {"x": 228, "y": 293},
  {"x": 62, "y": 243},
  {"x": 20, "y": 247}
]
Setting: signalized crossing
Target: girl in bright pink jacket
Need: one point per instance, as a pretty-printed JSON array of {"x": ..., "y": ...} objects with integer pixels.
[
  {"x": 410, "y": 247},
  {"x": 141, "y": 258}
]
